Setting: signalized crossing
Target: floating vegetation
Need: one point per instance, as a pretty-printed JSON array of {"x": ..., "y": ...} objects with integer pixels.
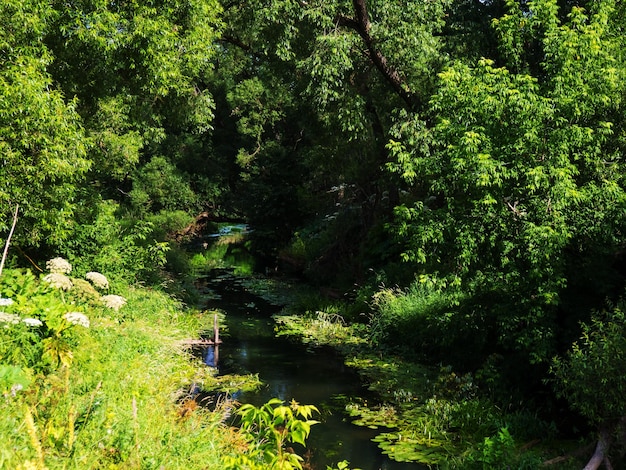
[
  {"x": 273, "y": 291},
  {"x": 235, "y": 384},
  {"x": 374, "y": 418},
  {"x": 403, "y": 448},
  {"x": 322, "y": 329}
]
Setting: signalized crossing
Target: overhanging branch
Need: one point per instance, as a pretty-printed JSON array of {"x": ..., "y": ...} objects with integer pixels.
[{"x": 362, "y": 25}]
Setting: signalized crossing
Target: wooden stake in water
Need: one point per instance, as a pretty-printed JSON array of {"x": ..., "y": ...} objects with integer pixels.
[
  {"x": 216, "y": 330},
  {"x": 216, "y": 341}
]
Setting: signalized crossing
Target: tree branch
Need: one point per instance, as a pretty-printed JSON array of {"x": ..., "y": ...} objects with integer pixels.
[
  {"x": 235, "y": 42},
  {"x": 564, "y": 458},
  {"x": 6, "y": 245},
  {"x": 362, "y": 25}
]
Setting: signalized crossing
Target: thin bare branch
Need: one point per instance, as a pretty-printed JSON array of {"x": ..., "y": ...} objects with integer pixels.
[{"x": 6, "y": 245}]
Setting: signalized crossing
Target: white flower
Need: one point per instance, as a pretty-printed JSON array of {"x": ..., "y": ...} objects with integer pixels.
[
  {"x": 113, "y": 301},
  {"x": 98, "y": 280},
  {"x": 5, "y": 302},
  {"x": 9, "y": 318},
  {"x": 32, "y": 321},
  {"x": 59, "y": 265},
  {"x": 77, "y": 318},
  {"x": 58, "y": 280}
]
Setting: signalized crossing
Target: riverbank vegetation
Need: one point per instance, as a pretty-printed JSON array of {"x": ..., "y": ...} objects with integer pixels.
[
  {"x": 92, "y": 379},
  {"x": 447, "y": 175}
]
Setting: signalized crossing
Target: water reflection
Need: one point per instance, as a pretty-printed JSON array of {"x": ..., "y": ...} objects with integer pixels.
[
  {"x": 211, "y": 358},
  {"x": 291, "y": 371}
]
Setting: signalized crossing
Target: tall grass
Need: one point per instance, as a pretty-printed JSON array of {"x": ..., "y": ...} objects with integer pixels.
[{"x": 116, "y": 403}]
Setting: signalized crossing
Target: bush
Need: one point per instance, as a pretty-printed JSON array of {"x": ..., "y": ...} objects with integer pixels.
[
  {"x": 591, "y": 375},
  {"x": 121, "y": 248},
  {"x": 425, "y": 316},
  {"x": 500, "y": 451}
]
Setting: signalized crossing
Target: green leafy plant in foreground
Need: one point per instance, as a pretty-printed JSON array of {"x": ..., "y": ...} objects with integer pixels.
[{"x": 269, "y": 428}]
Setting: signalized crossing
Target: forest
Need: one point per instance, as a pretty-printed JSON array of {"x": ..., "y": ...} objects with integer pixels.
[{"x": 446, "y": 176}]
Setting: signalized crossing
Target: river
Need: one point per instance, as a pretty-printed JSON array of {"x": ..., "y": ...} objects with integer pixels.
[{"x": 289, "y": 371}]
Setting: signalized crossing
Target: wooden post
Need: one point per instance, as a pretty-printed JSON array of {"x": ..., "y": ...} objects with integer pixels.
[
  {"x": 216, "y": 330},
  {"x": 216, "y": 341}
]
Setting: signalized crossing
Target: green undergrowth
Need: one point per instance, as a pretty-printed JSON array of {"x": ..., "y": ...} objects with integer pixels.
[
  {"x": 86, "y": 384},
  {"x": 229, "y": 251},
  {"x": 427, "y": 413}
]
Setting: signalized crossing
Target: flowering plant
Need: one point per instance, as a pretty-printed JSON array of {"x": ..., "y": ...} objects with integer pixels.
[
  {"x": 59, "y": 265},
  {"x": 77, "y": 318},
  {"x": 38, "y": 329},
  {"x": 98, "y": 280},
  {"x": 113, "y": 301},
  {"x": 58, "y": 280}
]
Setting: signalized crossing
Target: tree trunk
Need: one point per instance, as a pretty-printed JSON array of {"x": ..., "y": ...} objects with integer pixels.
[{"x": 602, "y": 450}]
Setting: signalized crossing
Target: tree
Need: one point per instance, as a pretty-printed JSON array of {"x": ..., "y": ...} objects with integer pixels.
[
  {"x": 315, "y": 84},
  {"x": 519, "y": 178},
  {"x": 137, "y": 70},
  {"x": 97, "y": 99},
  {"x": 43, "y": 147},
  {"x": 590, "y": 376}
]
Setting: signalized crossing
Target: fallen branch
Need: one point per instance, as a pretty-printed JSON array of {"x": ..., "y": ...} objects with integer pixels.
[{"x": 6, "y": 245}]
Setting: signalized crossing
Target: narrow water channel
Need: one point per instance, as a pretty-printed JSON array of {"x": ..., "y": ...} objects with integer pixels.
[{"x": 291, "y": 371}]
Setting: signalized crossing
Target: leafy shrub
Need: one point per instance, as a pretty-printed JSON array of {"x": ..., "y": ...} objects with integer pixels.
[
  {"x": 591, "y": 375},
  {"x": 120, "y": 248},
  {"x": 500, "y": 451},
  {"x": 268, "y": 429},
  {"x": 166, "y": 222},
  {"x": 495, "y": 452}
]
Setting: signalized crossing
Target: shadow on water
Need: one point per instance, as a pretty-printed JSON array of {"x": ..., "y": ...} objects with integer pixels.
[{"x": 292, "y": 371}]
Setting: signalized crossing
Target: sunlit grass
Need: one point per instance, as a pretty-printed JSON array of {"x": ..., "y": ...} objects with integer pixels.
[{"x": 118, "y": 404}]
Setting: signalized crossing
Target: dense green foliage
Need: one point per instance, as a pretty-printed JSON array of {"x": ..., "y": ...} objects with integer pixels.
[
  {"x": 452, "y": 169},
  {"x": 42, "y": 142}
]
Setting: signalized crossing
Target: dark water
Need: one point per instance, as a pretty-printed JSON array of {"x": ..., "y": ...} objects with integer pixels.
[{"x": 291, "y": 371}]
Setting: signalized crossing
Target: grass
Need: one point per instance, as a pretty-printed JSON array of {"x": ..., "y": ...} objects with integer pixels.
[{"x": 120, "y": 403}]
